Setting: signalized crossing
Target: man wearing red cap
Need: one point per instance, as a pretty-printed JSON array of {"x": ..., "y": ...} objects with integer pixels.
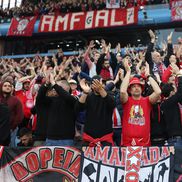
[{"x": 136, "y": 109}]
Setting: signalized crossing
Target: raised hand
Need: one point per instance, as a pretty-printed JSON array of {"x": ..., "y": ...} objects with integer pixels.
[
  {"x": 85, "y": 87},
  {"x": 152, "y": 35},
  {"x": 164, "y": 46},
  {"x": 107, "y": 48},
  {"x": 52, "y": 80},
  {"x": 118, "y": 48},
  {"x": 119, "y": 75},
  {"x": 97, "y": 86},
  {"x": 169, "y": 38},
  {"x": 91, "y": 45},
  {"x": 126, "y": 64}
]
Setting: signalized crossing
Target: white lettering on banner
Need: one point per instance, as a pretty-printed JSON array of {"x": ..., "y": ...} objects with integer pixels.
[
  {"x": 113, "y": 19},
  {"x": 102, "y": 15},
  {"x": 89, "y": 19},
  {"x": 74, "y": 19},
  {"x": 63, "y": 20},
  {"x": 132, "y": 164},
  {"x": 130, "y": 16},
  {"x": 47, "y": 20}
]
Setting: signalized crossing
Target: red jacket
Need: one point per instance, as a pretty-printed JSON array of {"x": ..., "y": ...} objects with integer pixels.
[
  {"x": 167, "y": 73},
  {"x": 16, "y": 110}
]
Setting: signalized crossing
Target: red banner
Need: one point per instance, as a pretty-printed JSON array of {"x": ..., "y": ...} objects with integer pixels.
[
  {"x": 22, "y": 26},
  {"x": 40, "y": 164},
  {"x": 176, "y": 10},
  {"x": 88, "y": 20}
]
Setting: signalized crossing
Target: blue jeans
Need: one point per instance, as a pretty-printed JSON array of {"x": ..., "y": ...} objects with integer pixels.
[
  {"x": 177, "y": 142},
  {"x": 14, "y": 138},
  {"x": 50, "y": 142}
]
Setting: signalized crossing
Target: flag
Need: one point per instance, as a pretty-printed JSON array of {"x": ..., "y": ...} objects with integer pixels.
[
  {"x": 112, "y": 4},
  {"x": 176, "y": 10},
  {"x": 22, "y": 26}
]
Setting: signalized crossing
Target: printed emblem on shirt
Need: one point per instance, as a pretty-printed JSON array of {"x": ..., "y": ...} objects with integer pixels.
[
  {"x": 29, "y": 103},
  {"x": 136, "y": 115}
]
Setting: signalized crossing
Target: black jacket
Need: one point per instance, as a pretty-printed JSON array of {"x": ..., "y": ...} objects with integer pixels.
[
  {"x": 148, "y": 55},
  {"x": 61, "y": 115},
  {"x": 4, "y": 125},
  {"x": 42, "y": 108},
  {"x": 98, "y": 114},
  {"x": 171, "y": 112},
  {"x": 157, "y": 123}
]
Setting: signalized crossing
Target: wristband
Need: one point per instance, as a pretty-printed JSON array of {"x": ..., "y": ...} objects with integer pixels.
[{"x": 86, "y": 93}]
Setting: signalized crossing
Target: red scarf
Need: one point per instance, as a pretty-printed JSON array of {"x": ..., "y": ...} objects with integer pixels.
[
  {"x": 105, "y": 74},
  {"x": 95, "y": 141}
]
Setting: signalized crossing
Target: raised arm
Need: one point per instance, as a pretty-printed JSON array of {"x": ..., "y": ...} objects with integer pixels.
[
  {"x": 169, "y": 50},
  {"x": 80, "y": 104},
  {"x": 148, "y": 55},
  {"x": 125, "y": 83},
  {"x": 61, "y": 92},
  {"x": 86, "y": 90},
  {"x": 86, "y": 55},
  {"x": 154, "y": 97}
]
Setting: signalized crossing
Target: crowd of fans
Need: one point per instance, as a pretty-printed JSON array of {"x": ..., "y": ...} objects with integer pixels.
[
  {"x": 56, "y": 7},
  {"x": 96, "y": 97}
]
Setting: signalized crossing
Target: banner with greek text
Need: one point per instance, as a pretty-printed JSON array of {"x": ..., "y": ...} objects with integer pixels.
[
  {"x": 107, "y": 164},
  {"x": 129, "y": 164},
  {"x": 40, "y": 164}
]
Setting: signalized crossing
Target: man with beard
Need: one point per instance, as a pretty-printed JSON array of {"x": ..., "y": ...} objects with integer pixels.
[
  {"x": 15, "y": 107},
  {"x": 136, "y": 109},
  {"x": 25, "y": 137}
]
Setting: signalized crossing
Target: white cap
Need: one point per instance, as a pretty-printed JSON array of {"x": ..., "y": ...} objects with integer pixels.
[{"x": 72, "y": 81}]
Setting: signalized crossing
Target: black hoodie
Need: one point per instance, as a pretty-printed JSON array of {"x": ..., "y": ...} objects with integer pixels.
[{"x": 4, "y": 125}]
